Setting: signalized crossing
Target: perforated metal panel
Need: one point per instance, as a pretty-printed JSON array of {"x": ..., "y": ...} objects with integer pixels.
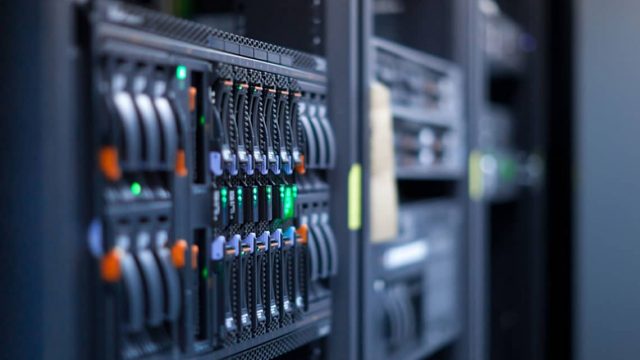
[
  {"x": 280, "y": 346},
  {"x": 199, "y": 34}
]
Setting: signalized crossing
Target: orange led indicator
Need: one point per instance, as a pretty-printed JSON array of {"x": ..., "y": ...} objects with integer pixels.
[
  {"x": 193, "y": 93},
  {"x": 108, "y": 161},
  {"x": 300, "y": 169},
  {"x": 178, "y": 251},
  {"x": 181, "y": 163},
  {"x": 194, "y": 256},
  {"x": 110, "y": 266},
  {"x": 303, "y": 232}
]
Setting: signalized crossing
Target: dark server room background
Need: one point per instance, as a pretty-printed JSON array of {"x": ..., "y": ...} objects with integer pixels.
[{"x": 320, "y": 179}]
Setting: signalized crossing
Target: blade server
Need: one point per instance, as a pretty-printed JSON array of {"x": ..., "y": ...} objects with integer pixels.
[{"x": 211, "y": 230}]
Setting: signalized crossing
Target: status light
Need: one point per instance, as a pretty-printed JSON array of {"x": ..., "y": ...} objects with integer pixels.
[
  {"x": 288, "y": 203},
  {"x": 181, "y": 72},
  {"x": 288, "y": 193},
  {"x": 136, "y": 188},
  {"x": 223, "y": 193}
]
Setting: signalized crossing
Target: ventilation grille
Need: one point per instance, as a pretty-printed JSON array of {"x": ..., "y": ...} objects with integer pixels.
[
  {"x": 281, "y": 345},
  {"x": 198, "y": 34}
]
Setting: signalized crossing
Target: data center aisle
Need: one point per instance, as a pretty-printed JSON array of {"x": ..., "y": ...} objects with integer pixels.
[{"x": 317, "y": 179}]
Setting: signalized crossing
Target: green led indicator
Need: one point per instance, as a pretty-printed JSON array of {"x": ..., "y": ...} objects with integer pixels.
[
  {"x": 239, "y": 196},
  {"x": 223, "y": 194},
  {"x": 508, "y": 169},
  {"x": 269, "y": 192},
  {"x": 202, "y": 120},
  {"x": 239, "y": 87},
  {"x": 255, "y": 194},
  {"x": 282, "y": 191},
  {"x": 181, "y": 72},
  {"x": 295, "y": 192},
  {"x": 205, "y": 273},
  {"x": 288, "y": 203},
  {"x": 136, "y": 188}
]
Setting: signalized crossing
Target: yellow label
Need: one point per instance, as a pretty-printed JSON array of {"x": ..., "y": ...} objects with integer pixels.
[
  {"x": 355, "y": 197},
  {"x": 475, "y": 175}
]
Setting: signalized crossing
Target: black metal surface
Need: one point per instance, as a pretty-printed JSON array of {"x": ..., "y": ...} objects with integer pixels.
[
  {"x": 559, "y": 181},
  {"x": 423, "y": 25},
  {"x": 344, "y": 52},
  {"x": 477, "y": 253},
  {"x": 516, "y": 230},
  {"x": 23, "y": 158},
  {"x": 202, "y": 35},
  {"x": 295, "y": 24}
]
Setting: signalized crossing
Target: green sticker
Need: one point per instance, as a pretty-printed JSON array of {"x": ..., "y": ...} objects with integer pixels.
[
  {"x": 475, "y": 175},
  {"x": 355, "y": 197}
]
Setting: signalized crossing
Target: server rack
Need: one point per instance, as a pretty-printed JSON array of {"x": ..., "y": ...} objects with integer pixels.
[
  {"x": 489, "y": 247},
  {"x": 398, "y": 34},
  {"x": 60, "y": 269},
  {"x": 512, "y": 225}
]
